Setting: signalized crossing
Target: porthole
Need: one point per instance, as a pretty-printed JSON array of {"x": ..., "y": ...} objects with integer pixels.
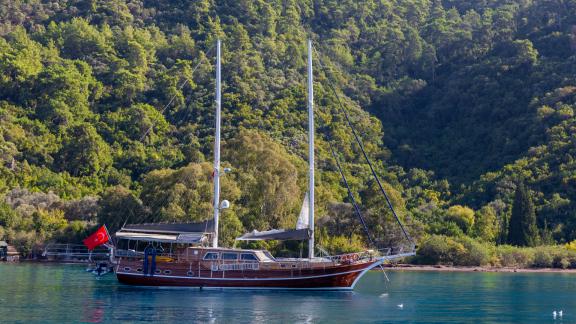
[
  {"x": 190, "y": 273},
  {"x": 167, "y": 272},
  {"x": 126, "y": 269},
  {"x": 157, "y": 271},
  {"x": 293, "y": 266},
  {"x": 139, "y": 270}
]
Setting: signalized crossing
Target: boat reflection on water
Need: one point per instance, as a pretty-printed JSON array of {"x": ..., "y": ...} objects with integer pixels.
[{"x": 93, "y": 311}]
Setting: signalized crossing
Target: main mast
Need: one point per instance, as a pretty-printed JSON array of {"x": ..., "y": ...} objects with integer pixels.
[
  {"x": 216, "y": 171},
  {"x": 310, "y": 152}
]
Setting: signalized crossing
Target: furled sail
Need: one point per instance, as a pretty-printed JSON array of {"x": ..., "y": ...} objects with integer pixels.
[
  {"x": 302, "y": 231},
  {"x": 281, "y": 235},
  {"x": 303, "y": 219}
]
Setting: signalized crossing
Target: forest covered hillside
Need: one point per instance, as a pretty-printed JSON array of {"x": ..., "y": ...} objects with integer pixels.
[{"x": 466, "y": 107}]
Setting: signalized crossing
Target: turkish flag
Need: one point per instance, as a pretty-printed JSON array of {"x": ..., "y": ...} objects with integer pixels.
[{"x": 97, "y": 239}]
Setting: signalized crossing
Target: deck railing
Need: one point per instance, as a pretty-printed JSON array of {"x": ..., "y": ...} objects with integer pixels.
[
  {"x": 349, "y": 258},
  {"x": 346, "y": 258},
  {"x": 75, "y": 251}
]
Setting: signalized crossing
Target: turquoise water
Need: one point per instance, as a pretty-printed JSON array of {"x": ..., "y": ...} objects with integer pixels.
[{"x": 40, "y": 293}]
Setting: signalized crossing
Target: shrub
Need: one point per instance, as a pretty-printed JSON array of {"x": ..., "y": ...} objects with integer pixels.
[
  {"x": 571, "y": 246},
  {"x": 440, "y": 249},
  {"x": 74, "y": 232},
  {"x": 26, "y": 242},
  {"x": 564, "y": 263},
  {"x": 477, "y": 254},
  {"x": 543, "y": 258},
  {"x": 554, "y": 257},
  {"x": 511, "y": 256},
  {"x": 8, "y": 217}
]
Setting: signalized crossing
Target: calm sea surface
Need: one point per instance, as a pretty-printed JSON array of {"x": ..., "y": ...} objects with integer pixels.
[{"x": 40, "y": 293}]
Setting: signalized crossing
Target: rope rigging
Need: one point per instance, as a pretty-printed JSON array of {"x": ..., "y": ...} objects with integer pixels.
[
  {"x": 359, "y": 142},
  {"x": 356, "y": 208},
  {"x": 357, "y": 138}
]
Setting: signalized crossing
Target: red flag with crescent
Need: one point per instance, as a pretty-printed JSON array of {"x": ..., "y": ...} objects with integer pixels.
[{"x": 98, "y": 238}]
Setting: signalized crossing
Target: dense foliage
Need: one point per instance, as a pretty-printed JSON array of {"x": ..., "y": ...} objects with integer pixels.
[{"x": 456, "y": 101}]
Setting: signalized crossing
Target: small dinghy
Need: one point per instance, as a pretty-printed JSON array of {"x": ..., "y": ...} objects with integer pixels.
[{"x": 100, "y": 268}]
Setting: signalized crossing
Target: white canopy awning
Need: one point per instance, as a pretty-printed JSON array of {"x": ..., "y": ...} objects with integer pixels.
[{"x": 189, "y": 238}]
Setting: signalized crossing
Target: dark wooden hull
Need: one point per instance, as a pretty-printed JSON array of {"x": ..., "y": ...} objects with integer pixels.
[{"x": 341, "y": 277}]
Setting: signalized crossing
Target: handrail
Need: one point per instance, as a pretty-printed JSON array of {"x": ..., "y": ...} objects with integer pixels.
[
  {"x": 351, "y": 258},
  {"x": 345, "y": 258},
  {"x": 72, "y": 250}
]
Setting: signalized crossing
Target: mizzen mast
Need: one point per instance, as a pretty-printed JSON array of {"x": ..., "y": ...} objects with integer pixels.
[
  {"x": 216, "y": 171},
  {"x": 310, "y": 151}
]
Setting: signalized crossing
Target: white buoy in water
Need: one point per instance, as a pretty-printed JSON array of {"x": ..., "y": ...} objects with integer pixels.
[
  {"x": 554, "y": 314},
  {"x": 560, "y": 314},
  {"x": 401, "y": 306}
]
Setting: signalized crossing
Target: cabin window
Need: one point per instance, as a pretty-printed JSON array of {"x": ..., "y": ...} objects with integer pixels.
[
  {"x": 126, "y": 269},
  {"x": 248, "y": 257},
  {"x": 157, "y": 271},
  {"x": 211, "y": 256},
  {"x": 167, "y": 271},
  {"x": 139, "y": 270},
  {"x": 229, "y": 256},
  {"x": 190, "y": 273}
]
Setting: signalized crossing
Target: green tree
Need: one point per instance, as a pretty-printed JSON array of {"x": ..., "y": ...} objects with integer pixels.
[
  {"x": 8, "y": 217},
  {"x": 462, "y": 216},
  {"x": 184, "y": 194},
  {"x": 49, "y": 221},
  {"x": 486, "y": 224},
  {"x": 83, "y": 151},
  {"x": 63, "y": 92},
  {"x": 20, "y": 58},
  {"x": 522, "y": 229},
  {"x": 118, "y": 206},
  {"x": 267, "y": 177}
]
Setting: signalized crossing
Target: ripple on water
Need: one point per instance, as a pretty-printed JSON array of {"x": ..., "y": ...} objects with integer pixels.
[{"x": 40, "y": 293}]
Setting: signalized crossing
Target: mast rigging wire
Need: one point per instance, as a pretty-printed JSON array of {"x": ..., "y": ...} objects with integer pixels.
[
  {"x": 356, "y": 208},
  {"x": 357, "y": 138}
]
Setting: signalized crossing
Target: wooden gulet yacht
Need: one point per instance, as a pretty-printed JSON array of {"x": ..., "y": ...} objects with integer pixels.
[{"x": 178, "y": 255}]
